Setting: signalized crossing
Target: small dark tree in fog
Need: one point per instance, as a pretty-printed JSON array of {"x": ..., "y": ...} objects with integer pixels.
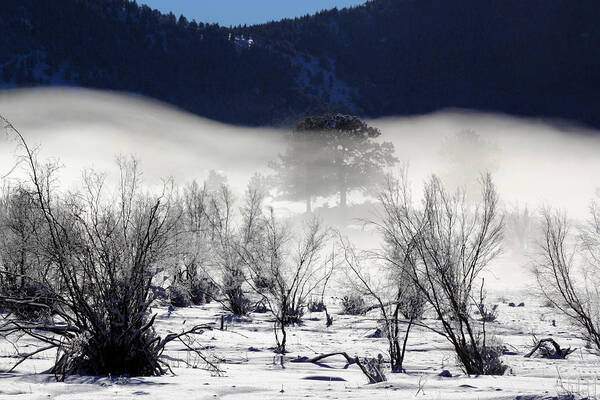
[
  {"x": 299, "y": 171},
  {"x": 466, "y": 153},
  {"x": 568, "y": 270},
  {"x": 332, "y": 154},
  {"x": 444, "y": 246},
  {"x": 295, "y": 269},
  {"x": 215, "y": 181},
  {"x": 519, "y": 228}
]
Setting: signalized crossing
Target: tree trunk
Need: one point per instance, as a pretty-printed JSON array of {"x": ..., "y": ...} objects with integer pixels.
[
  {"x": 343, "y": 197},
  {"x": 395, "y": 356},
  {"x": 283, "y": 339}
]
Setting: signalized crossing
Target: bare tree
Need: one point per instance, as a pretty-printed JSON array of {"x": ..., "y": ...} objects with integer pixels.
[
  {"x": 293, "y": 267},
  {"x": 216, "y": 230},
  {"x": 394, "y": 295},
  {"x": 568, "y": 270},
  {"x": 226, "y": 268},
  {"x": 444, "y": 245},
  {"x": 22, "y": 265},
  {"x": 105, "y": 251},
  {"x": 189, "y": 278},
  {"x": 519, "y": 228}
]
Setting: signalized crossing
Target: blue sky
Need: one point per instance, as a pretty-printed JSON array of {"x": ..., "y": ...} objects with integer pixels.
[{"x": 236, "y": 12}]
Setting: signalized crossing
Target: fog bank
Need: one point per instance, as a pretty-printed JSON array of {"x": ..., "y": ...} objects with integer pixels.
[{"x": 534, "y": 162}]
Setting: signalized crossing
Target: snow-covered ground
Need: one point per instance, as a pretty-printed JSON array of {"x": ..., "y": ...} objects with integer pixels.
[{"x": 253, "y": 371}]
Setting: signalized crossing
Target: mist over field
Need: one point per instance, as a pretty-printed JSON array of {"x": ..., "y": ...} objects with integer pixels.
[{"x": 534, "y": 163}]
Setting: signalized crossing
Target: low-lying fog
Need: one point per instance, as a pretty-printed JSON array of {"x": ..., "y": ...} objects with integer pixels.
[
  {"x": 87, "y": 128},
  {"x": 534, "y": 163}
]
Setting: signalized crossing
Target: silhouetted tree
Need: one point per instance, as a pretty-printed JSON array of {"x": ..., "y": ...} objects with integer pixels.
[
  {"x": 329, "y": 154},
  {"x": 391, "y": 292},
  {"x": 215, "y": 181},
  {"x": 298, "y": 171}
]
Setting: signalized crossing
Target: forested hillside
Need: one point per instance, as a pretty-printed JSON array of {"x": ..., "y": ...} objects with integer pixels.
[{"x": 388, "y": 57}]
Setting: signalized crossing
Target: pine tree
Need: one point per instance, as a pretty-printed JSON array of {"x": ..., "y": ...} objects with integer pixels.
[{"x": 331, "y": 154}]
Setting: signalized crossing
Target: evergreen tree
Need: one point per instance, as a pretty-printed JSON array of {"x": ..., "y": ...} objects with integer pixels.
[
  {"x": 331, "y": 154},
  {"x": 299, "y": 172}
]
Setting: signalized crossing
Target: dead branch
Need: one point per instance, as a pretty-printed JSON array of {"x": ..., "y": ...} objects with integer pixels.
[
  {"x": 316, "y": 359},
  {"x": 24, "y": 357},
  {"x": 211, "y": 365},
  {"x": 371, "y": 367},
  {"x": 547, "y": 352}
]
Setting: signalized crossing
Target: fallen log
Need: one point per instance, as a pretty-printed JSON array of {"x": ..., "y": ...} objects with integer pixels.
[
  {"x": 371, "y": 368},
  {"x": 318, "y": 358},
  {"x": 548, "y": 352}
]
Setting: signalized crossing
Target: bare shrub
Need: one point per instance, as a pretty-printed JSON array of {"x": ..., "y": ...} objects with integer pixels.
[
  {"x": 178, "y": 296},
  {"x": 490, "y": 354},
  {"x": 104, "y": 251},
  {"x": 226, "y": 267},
  {"x": 353, "y": 304},
  {"x": 315, "y": 305},
  {"x": 488, "y": 314},
  {"x": 444, "y": 245},
  {"x": 191, "y": 290},
  {"x": 22, "y": 265},
  {"x": 294, "y": 314},
  {"x": 295, "y": 265},
  {"x": 260, "y": 307},
  {"x": 188, "y": 275},
  {"x": 209, "y": 266},
  {"x": 392, "y": 294},
  {"x": 29, "y": 302},
  {"x": 202, "y": 290},
  {"x": 319, "y": 305},
  {"x": 373, "y": 368},
  {"x": 568, "y": 270}
]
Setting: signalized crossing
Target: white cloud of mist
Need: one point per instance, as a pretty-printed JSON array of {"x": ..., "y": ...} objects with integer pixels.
[
  {"x": 85, "y": 128},
  {"x": 537, "y": 163}
]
